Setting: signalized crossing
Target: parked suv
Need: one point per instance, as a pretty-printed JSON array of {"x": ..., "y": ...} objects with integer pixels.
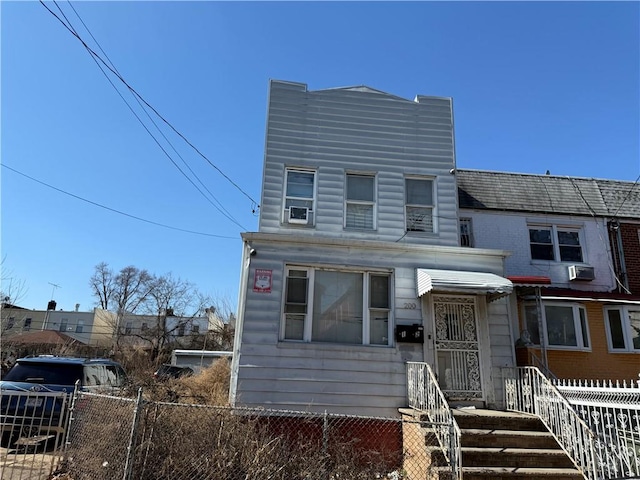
[{"x": 37, "y": 390}]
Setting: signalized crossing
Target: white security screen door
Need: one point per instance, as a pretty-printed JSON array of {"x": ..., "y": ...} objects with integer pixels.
[{"x": 457, "y": 347}]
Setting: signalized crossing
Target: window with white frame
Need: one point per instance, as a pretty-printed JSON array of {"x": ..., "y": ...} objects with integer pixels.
[
  {"x": 555, "y": 243},
  {"x": 623, "y": 328},
  {"x": 419, "y": 204},
  {"x": 564, "y": 325},
  {"x": 299, "y": 197},
  {"x": 337, "y": 306},
  {"x": 466, "y": 233},
  {"x": 360, "y": 201}
]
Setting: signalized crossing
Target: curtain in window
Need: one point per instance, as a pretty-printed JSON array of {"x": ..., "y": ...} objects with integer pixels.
[{"x": 337, "y": 307}]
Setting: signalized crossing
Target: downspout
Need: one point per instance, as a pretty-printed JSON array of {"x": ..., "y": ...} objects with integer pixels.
[{"x": 615, "y": 226}]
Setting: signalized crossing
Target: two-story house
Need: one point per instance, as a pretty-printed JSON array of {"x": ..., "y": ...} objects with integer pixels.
[
  {"x": 575, "y": 264},
  {"x": 357, "y": 268}
]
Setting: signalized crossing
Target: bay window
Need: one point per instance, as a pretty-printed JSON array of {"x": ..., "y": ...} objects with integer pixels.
[
  {"x": 337, "y": 306},
  {"x": 623, "y": 328}
]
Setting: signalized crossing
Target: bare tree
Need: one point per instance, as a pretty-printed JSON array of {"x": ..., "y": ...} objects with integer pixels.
[
  {"x": 102, "y": 284},
  {"x": 12, "y": 291}
]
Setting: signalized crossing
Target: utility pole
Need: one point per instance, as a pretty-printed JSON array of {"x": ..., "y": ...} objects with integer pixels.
[{"x": 46, "y": 315}]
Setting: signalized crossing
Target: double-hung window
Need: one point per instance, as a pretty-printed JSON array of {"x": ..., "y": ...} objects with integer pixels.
[
  {"x": 63, "y": 324},
  {"x": 80, "y": 326},
  {"x": 623, "y": 329},
  {"x": 466, "y": 233},
  {"x": 555, "y": 243},
  {"x": 360, "y": 201},
  {"x": 299, "y": 196},
  {"x": 564, "y": 325},
  {"x": 419, "y": 204},
  {"x": 337, "y": 306}
]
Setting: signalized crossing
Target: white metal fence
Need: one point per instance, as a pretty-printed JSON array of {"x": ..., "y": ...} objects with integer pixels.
[
  {"x": 612, "y": 411},
  {"x": 426, "y": 396}
]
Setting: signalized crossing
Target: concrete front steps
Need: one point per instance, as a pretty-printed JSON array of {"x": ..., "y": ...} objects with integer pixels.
[{"x": 501, "y": 446}]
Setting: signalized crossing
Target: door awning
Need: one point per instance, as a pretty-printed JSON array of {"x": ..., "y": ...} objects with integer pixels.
[{"x": 454, "y": 281}]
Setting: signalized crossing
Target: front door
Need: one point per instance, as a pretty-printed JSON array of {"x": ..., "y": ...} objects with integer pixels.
[{"x": 457, "y": 347}]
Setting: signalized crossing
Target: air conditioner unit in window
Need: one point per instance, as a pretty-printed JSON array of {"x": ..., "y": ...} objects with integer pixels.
[
  {"x": 298, "y": 215},
  {"x": 578, "y": 272}
]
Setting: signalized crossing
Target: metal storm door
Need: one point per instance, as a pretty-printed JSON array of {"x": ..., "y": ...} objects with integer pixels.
[{"x": 457, "y": 347}]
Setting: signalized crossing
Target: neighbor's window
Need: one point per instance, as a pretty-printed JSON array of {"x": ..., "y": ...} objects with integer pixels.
[
  {"x": 623, "y": 329},
  {"x": 128, "y": 328},
  {"x": 555, "y": 243},
  {"x": 337, "y": 306},
  {"x": 26, "y": 324},
  {"x": 181, "y": 329},
  {"x": 80, "y": 326},
  {"x": 419, "y": 204},
  {"x": 564, "y": 325},
  {"x": 11, "y": 322},
  {"x": 466, "y": 233},
  {"x": 195, "y": 329},
  {"x": 299, "y": 195},
  {"x": 63, "y": 324},
  {"x": 360, "y": 202}
]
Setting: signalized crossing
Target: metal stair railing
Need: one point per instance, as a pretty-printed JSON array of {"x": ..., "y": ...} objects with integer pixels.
[
  {"x": 425, "y": 395},
  {"x": 527, "y": 390}
]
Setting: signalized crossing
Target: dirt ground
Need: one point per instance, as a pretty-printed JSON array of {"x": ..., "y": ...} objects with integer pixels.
[{"x": 27, "y": 466}]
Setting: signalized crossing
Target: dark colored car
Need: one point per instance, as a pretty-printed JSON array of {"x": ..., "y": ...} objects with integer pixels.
[
  {"x": 167, "y": 371},
  {"x": 37, "y": 390}
]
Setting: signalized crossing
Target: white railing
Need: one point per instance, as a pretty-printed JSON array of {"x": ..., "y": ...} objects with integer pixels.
[
  {"x": 528, "y": 390},
  {"x": 612, "y": 410},
  {"x": 425, "y": 395}
]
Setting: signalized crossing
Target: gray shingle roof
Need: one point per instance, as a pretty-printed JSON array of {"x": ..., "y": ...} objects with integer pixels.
[{"x": 479, "y": 189}]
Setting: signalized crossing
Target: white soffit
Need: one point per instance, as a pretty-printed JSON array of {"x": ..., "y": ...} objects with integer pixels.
[{"x": 454, "y": 281}]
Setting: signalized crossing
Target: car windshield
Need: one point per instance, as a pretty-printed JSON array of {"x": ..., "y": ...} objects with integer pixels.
[{"x": 45, "y": 373}]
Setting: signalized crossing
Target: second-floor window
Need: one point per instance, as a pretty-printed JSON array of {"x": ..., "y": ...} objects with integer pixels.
[
  {"x": 555, "y": 243},
  {"x": 360, "y": 204},
  {"x": 623, "y": 329},
  {"x": 564, "y": 325},
  {"x": 299, "y": 196},
  {"x": 128, "y": 328},
  {"x": 63, "y": 324},
  {"x": 466, "y": 233},
  {"x": 80, "y": 326},
  {"x": 419, "y": 204},
  {"x": 26, "y": 325},
  {"x": 337, "y": 306}
]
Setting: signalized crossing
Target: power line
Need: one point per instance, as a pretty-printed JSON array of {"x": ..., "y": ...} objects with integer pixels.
[
  {"x": 134, "y": 92},
  {"x": 627, "y": 196},
  {"x": 220, "y": 208},
  {"x": 113, "y": 209}
]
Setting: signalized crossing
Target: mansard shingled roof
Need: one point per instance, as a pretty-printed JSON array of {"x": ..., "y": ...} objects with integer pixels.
[{"x": 549, "y": 194}]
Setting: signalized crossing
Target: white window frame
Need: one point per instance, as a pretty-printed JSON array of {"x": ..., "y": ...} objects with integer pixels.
[
  {"x": 433, "y": 206},
  {"x": 372, "y": 203},
  {"x": 466, "y": 231},
  {"x": 555, "y": 241},
  {"x": 626, "y": 328},
  {"x": 367, "y": 308},
  {"x": 581, "y": 345},
  {"x": 286, "y": 199}
]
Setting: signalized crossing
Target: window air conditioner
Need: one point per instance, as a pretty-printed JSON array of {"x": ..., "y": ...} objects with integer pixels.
[
  {"x": 299, "y": 215},
  {"x": 577, "y": 272}
]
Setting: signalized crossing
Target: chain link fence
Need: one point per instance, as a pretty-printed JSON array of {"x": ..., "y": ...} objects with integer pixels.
[{"x": 116, "y": 438}]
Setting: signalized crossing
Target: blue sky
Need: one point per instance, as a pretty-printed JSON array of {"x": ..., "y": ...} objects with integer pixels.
[{"x": 536, "y": 86}]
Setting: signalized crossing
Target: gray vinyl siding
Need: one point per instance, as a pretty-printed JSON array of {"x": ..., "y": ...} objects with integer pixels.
[
  {"x": 342, "y": 130},
  {"x": 349, "y": 379}
]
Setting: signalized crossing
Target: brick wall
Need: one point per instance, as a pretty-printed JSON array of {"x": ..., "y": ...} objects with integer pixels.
[{"x": 631, "y": 245}]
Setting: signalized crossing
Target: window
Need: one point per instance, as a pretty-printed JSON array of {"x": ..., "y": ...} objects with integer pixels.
[
  {"x": 63, "y": 324},
  {"x": 181, "y": 330},
  {"x": 337, "y": 306},
  {"x": 80, "y": 326},
  {"x": 555, "y": 243},
  {"x": 300, "y": 194},
  {"x": 564, "y": 325},
  {"x": 623, "y": 329},
  {"x": 419, "y": 205},
  {"x": 466, "y": 233},
  {"x": 26, "y": 324},
  {"x": 144, "y": 327},
  {"x": 11, "y": 322},
  {"x": 360, "y": 202},
  {"x": 195, "y": 329},
  {"x": 128, "y": 328}
]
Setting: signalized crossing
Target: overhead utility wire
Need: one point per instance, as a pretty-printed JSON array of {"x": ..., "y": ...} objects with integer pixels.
[
  {"x": 72, "y": 30},
  {"x": 627, "y": 196},
  {"x": 228, "y": 215},
  {"x": 155, "y": 111},
  {"x": 113, "y": 209}
]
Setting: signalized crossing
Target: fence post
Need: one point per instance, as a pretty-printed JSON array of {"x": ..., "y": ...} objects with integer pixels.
[
  {"x": 69, "y": 422},
  {"x": 128, "y": 465}
]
